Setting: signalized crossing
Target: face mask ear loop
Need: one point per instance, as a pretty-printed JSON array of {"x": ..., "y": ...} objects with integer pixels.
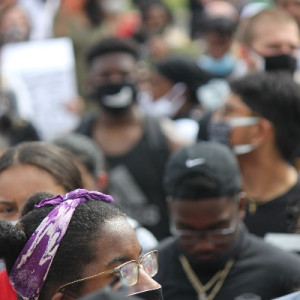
[
  {"x": 243, "y": 121},
  {"x": 177, "y": 92},
  {"x": 172, "y": 100}
]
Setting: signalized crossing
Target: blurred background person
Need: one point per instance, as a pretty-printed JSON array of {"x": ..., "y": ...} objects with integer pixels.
[
  {"x": 158, "y": 33},
  {"x": 33, "y": 167},
  {"x": 270, "y": 42},
  {"x": 173, "y": 86},
  {"x": 91, "y": 21},
  {"x": 41, "y": 15},
  {"x": 131, "y": 140},
  {"x": 292, "y": 6},
  {"x": 217, "y": 44},
  {"x": 15, "y": 25},
  {"x": 91, "y": 162}
]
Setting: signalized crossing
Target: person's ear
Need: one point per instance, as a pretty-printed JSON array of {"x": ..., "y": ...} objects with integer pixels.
[
  {"x": 102, "y": 181},
  {"x": 263, "y": 132},
  {"x": 242, "y": 206},
  {"x": 59, "y": 296},
  {"x": 246, "y": 56},
  {"x": 63, "y": 296}
]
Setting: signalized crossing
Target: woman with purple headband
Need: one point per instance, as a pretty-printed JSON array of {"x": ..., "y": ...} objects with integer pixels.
[{"x": 65, "y": 247}]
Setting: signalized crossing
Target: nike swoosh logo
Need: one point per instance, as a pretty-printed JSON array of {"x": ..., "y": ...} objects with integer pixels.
[{"x": 194, "y": 162}]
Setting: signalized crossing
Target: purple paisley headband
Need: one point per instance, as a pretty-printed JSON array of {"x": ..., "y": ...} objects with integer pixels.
[{"x": 32, "y": 265}]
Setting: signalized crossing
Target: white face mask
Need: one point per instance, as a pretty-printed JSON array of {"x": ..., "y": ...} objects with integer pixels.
[
  {"x": 169, "y": 104},
  {"x": 220, "y": 132}
]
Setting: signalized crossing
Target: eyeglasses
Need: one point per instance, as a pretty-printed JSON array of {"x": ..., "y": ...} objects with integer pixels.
[
  {"x": 129, "y": 271},
  {"x": 217, "y": 236}
]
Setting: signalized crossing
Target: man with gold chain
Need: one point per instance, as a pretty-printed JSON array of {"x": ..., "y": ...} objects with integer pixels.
[{"x": 212, "y": 256}]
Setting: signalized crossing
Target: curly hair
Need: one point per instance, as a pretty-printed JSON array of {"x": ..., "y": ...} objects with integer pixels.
[{"x": 76, "y": 250}]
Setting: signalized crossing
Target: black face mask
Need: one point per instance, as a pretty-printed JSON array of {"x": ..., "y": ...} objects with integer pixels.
[
  {"x": 282, "y": 62},
  {"x": 150, "y": 295},
  {"x": 116, "y": 98}
]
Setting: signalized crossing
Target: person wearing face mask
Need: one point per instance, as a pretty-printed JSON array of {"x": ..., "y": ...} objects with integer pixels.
[
  {"x": 212, "y": 255},
  {"x": 270, "y": 42},
  {"x": 135, "y": 144},
  {"x": 218, "y": 37},
  {"x": 173, "y": 87},
  {"x": 260, "y": 121},
  {"x": 218, "y": 28}
]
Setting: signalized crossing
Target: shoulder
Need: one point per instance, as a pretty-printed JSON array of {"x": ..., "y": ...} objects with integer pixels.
[
  {"x": 296, "y": 188},
  {"x": 269, "y": 255},
  {"x": 168, "y": 248}
]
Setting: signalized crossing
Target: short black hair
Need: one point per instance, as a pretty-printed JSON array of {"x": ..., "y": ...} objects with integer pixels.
[
  {"x": 112, "y": 45},
  {"x": 222, "y": 26},
  {"x": 54, "y": 160},
  {"x": 77, "y": 248},
  {"x": 274, "y": 96},
  {"x": 183, "y": 69}
]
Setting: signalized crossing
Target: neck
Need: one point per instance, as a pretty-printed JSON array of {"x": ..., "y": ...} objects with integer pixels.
[
  {"x": 131, "y": 117},
  {"x": 266, "y": 177}
]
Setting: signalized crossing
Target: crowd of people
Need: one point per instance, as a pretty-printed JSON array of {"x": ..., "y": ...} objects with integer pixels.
[{"x": 179, "y": 177}]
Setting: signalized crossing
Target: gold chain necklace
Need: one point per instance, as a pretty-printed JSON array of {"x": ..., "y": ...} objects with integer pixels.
[
  {"x": 217, "y": 280},
  {"x": 254, "y": 203}
]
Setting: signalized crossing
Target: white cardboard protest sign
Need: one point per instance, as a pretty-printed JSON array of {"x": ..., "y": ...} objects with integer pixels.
[{"x": 42, "y": 74}]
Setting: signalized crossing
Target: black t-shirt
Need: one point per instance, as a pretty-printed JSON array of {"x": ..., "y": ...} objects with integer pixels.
[
  {"x": 260, "y": 272},
  {"x": 136, "y": 177},
  {"x": 277, "y": 215}
]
